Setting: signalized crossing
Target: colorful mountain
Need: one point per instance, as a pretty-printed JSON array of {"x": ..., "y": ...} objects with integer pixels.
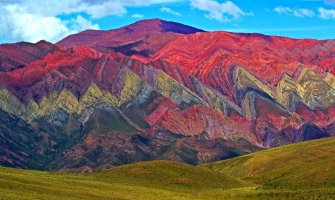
[{"x": 161, "y": 90}]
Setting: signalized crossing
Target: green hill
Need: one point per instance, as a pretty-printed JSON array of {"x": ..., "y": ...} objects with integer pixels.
[
  {"x": 145, "y": 180},
  {"x": 298, "y": 171},
  {"x": 302, "y": 166}
]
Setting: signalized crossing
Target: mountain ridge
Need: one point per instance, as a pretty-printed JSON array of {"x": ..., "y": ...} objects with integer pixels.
[{"x": 143, "y": 37}]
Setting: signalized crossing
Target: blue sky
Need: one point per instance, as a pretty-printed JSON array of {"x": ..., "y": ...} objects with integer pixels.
[{"x": 33, "y": 20}]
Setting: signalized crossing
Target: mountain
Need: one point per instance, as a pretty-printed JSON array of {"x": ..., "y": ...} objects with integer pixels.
[
  {"x": 282, "y": 82},
  {"x": 272, "y": 60},
  {"x": 95, "y": 102},
  {"x": 142, "y": 38},
  {"x": 297, "y": 171},
  {"x": 18, "y": 55},
  {"x": 108, "y": 101}
]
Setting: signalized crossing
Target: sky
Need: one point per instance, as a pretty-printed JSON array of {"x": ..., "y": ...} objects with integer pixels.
[{"x": 52, "y": 20}]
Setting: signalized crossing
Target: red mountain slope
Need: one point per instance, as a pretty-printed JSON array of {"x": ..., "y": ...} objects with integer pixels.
[
  {"x": 20, "y": 54},
  {"x": 208, "y": 56}
]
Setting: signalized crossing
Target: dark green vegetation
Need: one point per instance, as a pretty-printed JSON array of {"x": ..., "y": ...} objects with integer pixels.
[{"x": 298, "y": 171}]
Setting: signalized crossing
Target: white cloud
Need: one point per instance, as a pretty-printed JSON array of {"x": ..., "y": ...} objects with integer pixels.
[
  {"x": 322, "y": 13},
  {"x": 20, "y": 24},
  {"x": 80, "y": 23},
  {"x": 101, "y": 8},
  {"x": 137, "y": 16},
  {"x": 326, "y": 13},
  {"x": 283, "y": 29},
  {"x": 304, "y": 13},
  {"x": 169, "y": 11},
  {"x": 222, "y": 12},
  {"x": 283, "y": 10},
  {"x": 41, "y": 19},
  {"x": 299, "y": 12},
  {"x": 94, "y": 8}
]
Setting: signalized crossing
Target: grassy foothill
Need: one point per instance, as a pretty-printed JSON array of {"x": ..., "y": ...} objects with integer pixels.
[{"x": 298, "y": 171}]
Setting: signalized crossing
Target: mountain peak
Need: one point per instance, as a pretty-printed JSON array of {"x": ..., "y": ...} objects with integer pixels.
[
  {"x": 43, "y": 42},
  {"x": 19, "y": 54},
  {"x": 160, "y": 25},
  {"x": 142, "y": 38}
]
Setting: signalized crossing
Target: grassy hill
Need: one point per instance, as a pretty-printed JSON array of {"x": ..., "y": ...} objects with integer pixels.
[
  {"x": 299, "y": 171},
  {"x": 306, "y": 165},
  {"x": 145, "y": 180}
]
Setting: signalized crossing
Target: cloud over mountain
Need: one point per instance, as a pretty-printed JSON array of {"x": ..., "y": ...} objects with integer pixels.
[{"x": 52, "y": 20}]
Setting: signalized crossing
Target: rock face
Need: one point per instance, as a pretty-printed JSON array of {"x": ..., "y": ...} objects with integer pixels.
[{"x": 192, "y": 97}]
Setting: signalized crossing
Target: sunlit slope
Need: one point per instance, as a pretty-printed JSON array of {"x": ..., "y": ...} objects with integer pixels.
[
  {"x": 150, "y": 180},
  {"x": 146, "y": 180},
  {"x": 306, "y": 165}
]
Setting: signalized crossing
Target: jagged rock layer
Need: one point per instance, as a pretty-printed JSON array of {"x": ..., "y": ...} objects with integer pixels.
[
  {"x": 86, "y": 108},
  {"x": 107, "y": 97},
  {"x": 130, "y": 89}
]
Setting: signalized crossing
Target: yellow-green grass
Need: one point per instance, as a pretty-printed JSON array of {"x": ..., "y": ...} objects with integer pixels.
[
  {"x": 148, "y": 180},
  {"x": 302, "y": 166},
  {"x": 298, "y": 171},
  {"x": 145, "y": 180}
]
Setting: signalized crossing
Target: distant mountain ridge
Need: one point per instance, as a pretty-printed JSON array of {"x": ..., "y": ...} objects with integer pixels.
[
  {"x": 22, "y": 53},
  {"x": 161, "y": 90}
]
